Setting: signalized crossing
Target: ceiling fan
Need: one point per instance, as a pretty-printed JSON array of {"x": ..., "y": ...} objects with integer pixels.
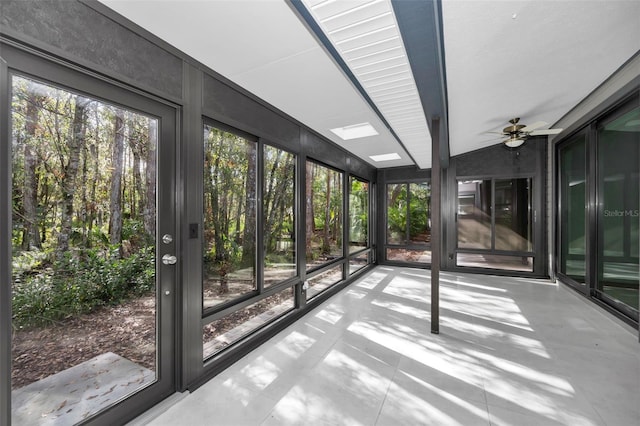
[{"x": 516, "y": 133}]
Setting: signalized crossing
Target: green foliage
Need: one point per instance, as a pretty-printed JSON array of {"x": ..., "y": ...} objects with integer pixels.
[
  {"x": 78, "y": 283},
  {"x": 134, "y": 232},
  {"x": 407, "y": 202}
]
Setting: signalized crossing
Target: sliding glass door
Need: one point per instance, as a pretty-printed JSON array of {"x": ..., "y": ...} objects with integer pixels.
[
  {"x": 573, "y": 206},
  {"x": 619, "y": 210},
  {"x": 599, "y": 209}
]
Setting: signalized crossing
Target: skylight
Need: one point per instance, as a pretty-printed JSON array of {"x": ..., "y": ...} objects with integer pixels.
[
  {"x": 385, "y": 157},
  {"x": 355, "y": 131}
]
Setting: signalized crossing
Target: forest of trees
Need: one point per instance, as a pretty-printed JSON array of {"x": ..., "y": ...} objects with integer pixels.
[
  {"x": 84, "y": 207},
  {"x": 323, "y": 222},
  {"x": 83, "y": 202},
  {"x": 408, "y": 213},
  {"x": 358, "y": 214},
  {"x": 230, "y": 214}
]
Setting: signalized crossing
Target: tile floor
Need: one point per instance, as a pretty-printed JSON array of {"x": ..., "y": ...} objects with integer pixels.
[{"x": 511, "y": 352}]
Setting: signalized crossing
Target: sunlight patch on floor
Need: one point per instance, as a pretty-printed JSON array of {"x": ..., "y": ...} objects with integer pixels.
[
  {"x": 331, "y": 314},
  {"x": 295, "y": 344},
  {"x": 372, "y": 280},
  {"x": 313, "y": 407},
  {"x": 261, "y": 372},
  {"x": 421, "y": 313}
]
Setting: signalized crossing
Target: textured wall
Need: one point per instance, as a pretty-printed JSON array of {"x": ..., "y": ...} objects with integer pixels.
[
  {"x": 78, "y": 32},
  {"x": 498, "y": 160}
]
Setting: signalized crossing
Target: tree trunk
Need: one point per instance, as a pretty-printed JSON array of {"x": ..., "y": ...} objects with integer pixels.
[
  {"x": 115, "y": 200},
  {"x": 218, "y": 241},
  {"x": 309, "y": 225},
  {"x": 249, "y": 237},
  {"x": 31, "y": 236},
  {"x": 326, "y": 244},
  {"x": 150, "y": 180},
  {"x": 75, "y": 144}
]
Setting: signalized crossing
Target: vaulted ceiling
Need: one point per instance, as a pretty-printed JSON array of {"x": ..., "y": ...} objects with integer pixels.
[{"x": 332, "y": 64}]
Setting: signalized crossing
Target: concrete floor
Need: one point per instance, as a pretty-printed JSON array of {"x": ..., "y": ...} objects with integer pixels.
[{"x": 511, "y": 352}]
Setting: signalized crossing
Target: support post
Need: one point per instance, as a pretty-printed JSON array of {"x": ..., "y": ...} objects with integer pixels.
[{"x": 435, "y": 225}]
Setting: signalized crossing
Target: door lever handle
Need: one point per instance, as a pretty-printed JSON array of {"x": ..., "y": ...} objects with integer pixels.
[{"x": 169, "y": 259}]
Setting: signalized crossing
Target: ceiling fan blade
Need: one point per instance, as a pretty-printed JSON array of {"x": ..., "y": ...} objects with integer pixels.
[
  {"x": 545, "y": 132},
  {"x": 532, "y": 127}
]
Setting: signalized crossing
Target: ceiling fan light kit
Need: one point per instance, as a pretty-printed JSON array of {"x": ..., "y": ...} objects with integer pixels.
[
  {"x": 514, "y": 142},
  {"x": 516, "y": 134}
]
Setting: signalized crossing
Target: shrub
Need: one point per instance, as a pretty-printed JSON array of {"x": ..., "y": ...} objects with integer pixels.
[{"x": 79, "y": 283}]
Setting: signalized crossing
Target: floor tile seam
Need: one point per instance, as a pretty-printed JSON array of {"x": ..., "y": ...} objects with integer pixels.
[
  {"x": 386, "y": 394},
  {"x": 582, "y": 392}
]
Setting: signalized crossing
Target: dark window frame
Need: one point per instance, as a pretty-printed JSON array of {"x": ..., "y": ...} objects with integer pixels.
[
  {"x": 619, "y": 104},
  {"x": 49, "y": 70},
  {"x": 216, "y": 312},
  {"x": 533, "y": 253},
  {"x": 407, "y": 245},
  {"x": 310, "y": 272}
]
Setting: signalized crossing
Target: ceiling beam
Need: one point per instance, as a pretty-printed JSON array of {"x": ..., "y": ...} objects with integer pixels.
[{"x": 420, "y": 24}]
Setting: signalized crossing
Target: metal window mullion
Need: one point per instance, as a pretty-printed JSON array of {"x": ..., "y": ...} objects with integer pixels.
[
  {"x": 407, "y": 226},
  {"x": 300, "y": 219},
  {"x": 5, "y": 248},
  {"x": 593, "y": 231},
  {"x": 346, "y": 194},
  {"x": 260, "y": 261},
  {"x": 626, "y": 235},
  {"x": 492, "y": 206}
]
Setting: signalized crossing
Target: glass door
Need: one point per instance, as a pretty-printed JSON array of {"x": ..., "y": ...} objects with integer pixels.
[
  {"x": 573, "y": 210},
  {"x": 618, "y": 213},
  {"x": 93, "y": 251}
]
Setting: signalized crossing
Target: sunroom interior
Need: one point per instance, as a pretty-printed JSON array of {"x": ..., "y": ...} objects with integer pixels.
[{"x": 183, "y": 180}]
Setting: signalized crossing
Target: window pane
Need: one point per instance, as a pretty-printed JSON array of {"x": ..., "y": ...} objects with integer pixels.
[
  {"x": 409, "y": 255},
  {"x": 229, "y": 216},
  {"x": 474, "y": 214},
  {"x": 84, "y": 273},
  {"x": 396, "y": 213},
  {"x": 358, "y": 262},
  {"x": 358, "y": 214},
  {"x": 618, "y": 192},
  {"x": 227, "y": 330},
  {"x": 573, "y": 209},
  {"x": 513, "y": 214},
  {"x": 279, "y": 221},
  {"x": 493, "y": 261},
  {"x": 321, "y": 282},
  {"x": 419, "y": 205},
  {"x": 324, "y": 214}
]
